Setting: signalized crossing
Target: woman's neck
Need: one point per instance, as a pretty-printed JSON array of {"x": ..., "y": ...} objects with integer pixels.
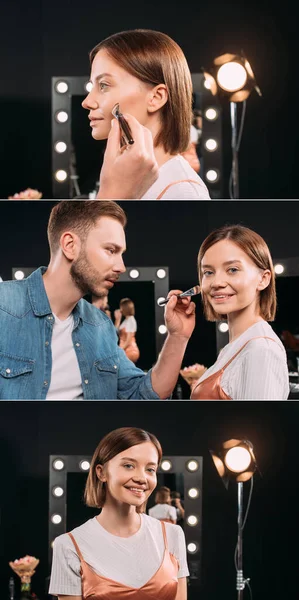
[
  {"x": 122, "y": 520},
  {"x": 241, "y": 320}
]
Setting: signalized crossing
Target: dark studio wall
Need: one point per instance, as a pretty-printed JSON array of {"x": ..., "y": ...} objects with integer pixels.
[
  {"x": 31, "y": 431},
  {"x": 41, "y": 39},
  {"x": 163, "y": 234}
]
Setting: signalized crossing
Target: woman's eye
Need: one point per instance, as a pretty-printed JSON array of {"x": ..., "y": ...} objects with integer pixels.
[
  {"x": 233, "y": 269},
  {"x": 207, "y": 272},
  {"x": 152, "y": 471},
  {"x": 128, "y": 466},
  {"x": 103, "y": 85}
]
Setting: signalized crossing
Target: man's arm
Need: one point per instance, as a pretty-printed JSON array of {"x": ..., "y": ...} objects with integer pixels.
[{"x": 128, "y": 173}]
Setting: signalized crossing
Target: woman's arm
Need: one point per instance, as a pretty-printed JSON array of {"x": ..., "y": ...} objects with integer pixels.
[
  {"x": 69, "y": 597},
  {"x": 128, "y": 340},
  {"x": 182, "y": 589}
]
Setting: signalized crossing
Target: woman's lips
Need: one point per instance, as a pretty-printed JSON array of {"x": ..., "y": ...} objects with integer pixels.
[
  {"x": 94, "y": 122},
  {"x": 221, "y": 298}
]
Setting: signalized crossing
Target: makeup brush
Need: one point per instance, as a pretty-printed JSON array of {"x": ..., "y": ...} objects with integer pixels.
[
  {"x": 125, "y": 129},
  {"x": 194, "y": 291}
]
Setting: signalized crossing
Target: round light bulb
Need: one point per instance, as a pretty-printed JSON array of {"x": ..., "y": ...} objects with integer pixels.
[
  {"x": 161, "y": 299},
  {"x": 60, "y": 175},
  {"x": 84, "y": 465},
  {"x": 134, "y": 273},
  {"x": 58, "y": 464},
  {"x": 162, "y": 329},
  {"x": 193, "y": 493},
  {"x": 62, "y": 87},
  {"x": 56, "y": 519},
  {"x": 166, "y": 465},
  {"x": 211, "y": 145},
  {"x": 60, "y": 147},
  {"x": 211, "y": 114},
  {"x": 62, "y": 116},
  {"x": 19, "y": 275},
  {"x": 223, "y": 327},
  {"x": 88, "y": 86},
  {"x": 192, "y": 465},
  {"x": 279, "y": 269},
  {"x": 57, "y": 491},
  {"x": 192, "y": 520},
  {"x": 237, "y": 459},
  {"x": 232, "y": 76},
  {"x": 192, "y": 547},
  {"x": 212, "y": 175},
  {"x": 161, "y": 273}
]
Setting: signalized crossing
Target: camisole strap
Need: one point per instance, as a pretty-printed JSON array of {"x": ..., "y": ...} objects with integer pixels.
[
  {"x": 174, "y": 183},
  {"x": 164, "y": 534},
  {"x": 76, "y": 546},
  {"x": 258, "y": 337}
]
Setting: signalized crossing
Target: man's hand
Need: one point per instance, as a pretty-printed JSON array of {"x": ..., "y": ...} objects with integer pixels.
[
  {"x": 128, "y": 173},
  {"x": 179, "y": 315}
]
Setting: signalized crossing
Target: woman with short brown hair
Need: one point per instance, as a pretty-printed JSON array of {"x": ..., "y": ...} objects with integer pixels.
[
  {"x": 146, "y": 73},
  {"x": 122, "y": 551},
  {"x": 238, "y": 285}
]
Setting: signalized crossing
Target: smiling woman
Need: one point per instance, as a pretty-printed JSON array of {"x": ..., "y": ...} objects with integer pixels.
[
  {"x": 146, "y": 73},
  {"x": 122, "y": 550},
  {"x": 238, "y": 284}
]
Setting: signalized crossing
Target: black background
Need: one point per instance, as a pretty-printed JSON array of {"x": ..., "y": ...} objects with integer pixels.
[
  {"x": 165, "y": 234},
  {"x": 31, "y": 431},
  {"x": 42, "y": 39}
]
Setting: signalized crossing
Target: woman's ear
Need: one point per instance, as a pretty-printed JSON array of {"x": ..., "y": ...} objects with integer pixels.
[
  {"x": 158, "y": 96},
  {"x": 100, "y": 473},
  {"x": 264, "y": 280}
]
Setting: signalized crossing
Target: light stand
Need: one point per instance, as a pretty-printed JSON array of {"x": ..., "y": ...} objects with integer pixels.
[
  {"x": 235, "y": 461},
  {"x": 235, "y": 166}
]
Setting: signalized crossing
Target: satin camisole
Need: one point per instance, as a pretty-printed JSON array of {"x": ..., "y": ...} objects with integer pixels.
[{"x": 162, "y": 585}]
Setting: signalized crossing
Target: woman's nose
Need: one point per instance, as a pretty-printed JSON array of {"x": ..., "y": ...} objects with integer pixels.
[{"x": 89, "y": 102}]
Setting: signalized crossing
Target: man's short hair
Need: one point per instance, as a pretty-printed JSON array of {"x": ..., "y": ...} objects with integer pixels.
[{"x": 80, "y": 216}]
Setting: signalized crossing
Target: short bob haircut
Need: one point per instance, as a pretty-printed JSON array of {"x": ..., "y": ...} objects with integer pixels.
[
  {"x": 112, "y": 444},
  {"x": 162, "y": 495},
  {"x": 154, "y": 58},
  {"x": 256, "y": 248},
  {"x": 80, "y": 217},
  {"x": 127, "y": 306}
]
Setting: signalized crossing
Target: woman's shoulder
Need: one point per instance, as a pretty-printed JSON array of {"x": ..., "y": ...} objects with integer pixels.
[
  {"x": 261, "y": 336},
  {"x": 65, "y": 541},
  {"x": 173, "y": 531}
]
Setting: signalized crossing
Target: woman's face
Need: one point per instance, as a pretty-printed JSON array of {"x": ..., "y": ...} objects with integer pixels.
[
  {"x": 131, "y": 476},
  {"x": 230, "y": 280},
  {"x": 112, "y": 85}
]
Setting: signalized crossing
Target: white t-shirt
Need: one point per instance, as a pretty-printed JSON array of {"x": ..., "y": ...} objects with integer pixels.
[
  {"x": 130, "y": 561},
  {"x": 177, "y": 169},
  {"x": 163, "y": 511},
  {"x": 259, "y": 372},
  {"x": 129, "y": 324},
  {"x": 66, "y": 381}
]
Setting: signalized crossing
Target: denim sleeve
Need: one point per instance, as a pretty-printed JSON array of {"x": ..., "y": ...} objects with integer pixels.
[{"x": 133, "y": 383}]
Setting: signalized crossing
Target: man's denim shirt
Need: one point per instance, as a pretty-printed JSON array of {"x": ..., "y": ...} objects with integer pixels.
[{"x": 26, "y": 325}]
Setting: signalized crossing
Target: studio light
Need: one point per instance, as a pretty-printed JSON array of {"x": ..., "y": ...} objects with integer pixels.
[
  {"x": 211, "y": 145},
  {"x": 212, "y": 175},
  {"x": 192, "y": 520},
  {"x": 166, "y": 465},
  {"x": 161, "y": 299},
  {"x": 88, "y": 86},
  {"x": 235, "y": 461},
  {"x": 211, "y": 114},
  {"x": 232, "y": 77}
]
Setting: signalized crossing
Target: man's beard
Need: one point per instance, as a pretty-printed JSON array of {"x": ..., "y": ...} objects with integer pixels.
[{"x": 86, "y": 278}]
